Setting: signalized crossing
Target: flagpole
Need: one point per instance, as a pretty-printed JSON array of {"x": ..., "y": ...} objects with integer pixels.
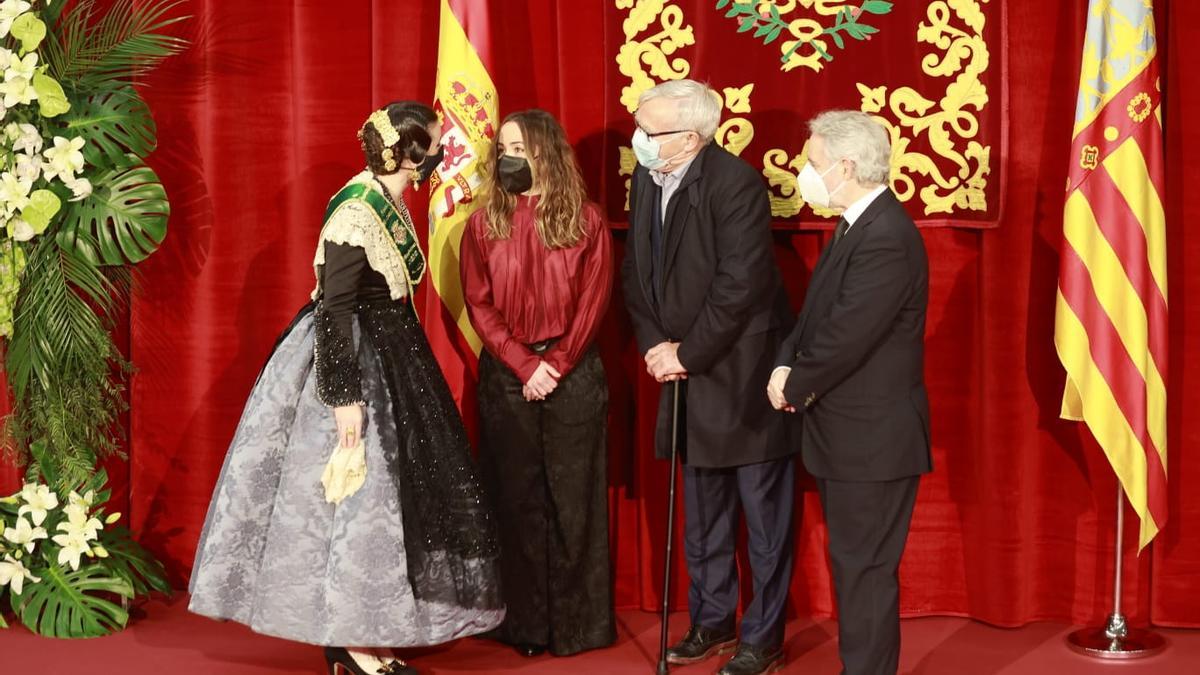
[{"x": 1116, "y": 640}]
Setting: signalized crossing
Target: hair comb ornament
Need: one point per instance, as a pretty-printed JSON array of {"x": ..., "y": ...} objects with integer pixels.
[{"x": 383, "y": 124}]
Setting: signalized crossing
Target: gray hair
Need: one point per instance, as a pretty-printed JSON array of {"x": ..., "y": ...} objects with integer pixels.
[
  {"x": 852, "y": 135},
  {"x": 699, "y": 108}
]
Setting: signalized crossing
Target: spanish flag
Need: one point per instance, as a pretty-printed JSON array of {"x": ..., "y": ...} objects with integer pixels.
[
  {"x": 465, "y": 100},
  {"x": 1111, "y": 317}
]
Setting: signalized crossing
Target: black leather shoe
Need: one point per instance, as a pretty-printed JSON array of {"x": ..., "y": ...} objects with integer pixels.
[
  {"x": 751, "y": 660},
  {"x": 699, "y": 644},
  {"x": 530, "y": 650}
]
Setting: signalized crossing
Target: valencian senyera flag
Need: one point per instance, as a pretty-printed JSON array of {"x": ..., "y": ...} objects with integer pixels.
[
  {"x": 465, "y": 100},
  {"x": 1111, "y": 318}
]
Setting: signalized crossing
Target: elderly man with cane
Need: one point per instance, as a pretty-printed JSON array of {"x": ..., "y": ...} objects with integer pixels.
[{"x": 709, "y": 312}]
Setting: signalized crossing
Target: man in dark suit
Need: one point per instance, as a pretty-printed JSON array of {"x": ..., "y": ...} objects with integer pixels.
[
  {"x": 854, "y": 367},
  {"x": 709, "y": 311}
]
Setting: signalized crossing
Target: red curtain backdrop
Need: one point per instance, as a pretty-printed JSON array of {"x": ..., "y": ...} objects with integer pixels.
[{"x": 257, "y": 125}]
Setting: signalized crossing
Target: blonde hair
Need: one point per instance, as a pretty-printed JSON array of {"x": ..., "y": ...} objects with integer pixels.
[{"x": 558, "y": 218}]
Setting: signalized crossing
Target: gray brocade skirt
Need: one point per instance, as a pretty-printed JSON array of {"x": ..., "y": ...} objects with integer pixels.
[{"x": 275, "y": 556}]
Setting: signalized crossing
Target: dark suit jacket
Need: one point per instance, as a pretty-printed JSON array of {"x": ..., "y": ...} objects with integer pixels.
[
  {"x": 722, "y": 300},
  {"x": 857, "y": 352}
]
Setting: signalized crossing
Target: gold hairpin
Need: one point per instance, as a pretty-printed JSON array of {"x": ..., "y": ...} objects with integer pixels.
[{"x": 383, "y": 124}]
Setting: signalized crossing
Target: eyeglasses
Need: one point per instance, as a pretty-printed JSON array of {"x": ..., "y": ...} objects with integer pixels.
[{"x": 661, "y": 133}]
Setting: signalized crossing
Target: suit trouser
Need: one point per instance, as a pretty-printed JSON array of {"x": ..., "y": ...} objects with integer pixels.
[
  {"x": 868, "y": 526},
  {"x": 765, "y": 493}
]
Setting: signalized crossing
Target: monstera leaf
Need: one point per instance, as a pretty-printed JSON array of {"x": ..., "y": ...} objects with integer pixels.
[
  {"x": 129, "y": 561},
  {"x": 123, "y": 221},
  {"x": 66, "y": 604},
  {"x": 117, "y": 124}
]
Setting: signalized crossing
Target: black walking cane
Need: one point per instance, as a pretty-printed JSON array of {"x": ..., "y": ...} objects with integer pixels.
[{"x": 666, "y": 606}]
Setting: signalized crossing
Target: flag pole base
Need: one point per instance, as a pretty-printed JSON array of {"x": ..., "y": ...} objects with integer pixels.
[{"x": 1116, "y": 641}]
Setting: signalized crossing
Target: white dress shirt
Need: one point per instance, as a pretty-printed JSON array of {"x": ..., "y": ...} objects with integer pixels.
[{"x": 855, "y": 210}]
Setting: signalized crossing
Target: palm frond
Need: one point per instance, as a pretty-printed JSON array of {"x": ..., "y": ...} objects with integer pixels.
[
  {"x": 63, "y": 445},
  {"x": 42, "y": 458},
  {"x": 55, "y": 329},
  {"x": 126, "y": 41}
]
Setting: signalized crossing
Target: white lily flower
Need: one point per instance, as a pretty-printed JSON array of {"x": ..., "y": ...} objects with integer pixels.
[
  {"x": 73, "y": 546},
  {"x": 24, "y": 534},
  {"x": 9, "y": 11},
  {"x": 78, "y": 522},
  {"x": 80, "y": 187},
  {"x": 75, "y": 512},
  {"x": 85, "y": 501},
  {"x": 27, "y": 139},
  {"x": 29, "y": 167},
  {"x": 91, "y": 529},
  {"x": 64, "y": 160},
  {"x": 38, "y": 500},
  {"x": 15, "y": 573},
  {"x": 14, "y": 193},
  {"x": 20, "y": 230},
  {"x": 21, "y": 67},
  {"x": 18, "y": 91}
]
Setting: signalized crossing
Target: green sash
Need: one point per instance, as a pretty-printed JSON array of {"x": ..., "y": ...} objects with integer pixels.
[{"x": 397, "y": 223}]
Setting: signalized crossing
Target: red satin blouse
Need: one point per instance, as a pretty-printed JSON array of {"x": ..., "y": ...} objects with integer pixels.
[{"x": 520, "y": 293}]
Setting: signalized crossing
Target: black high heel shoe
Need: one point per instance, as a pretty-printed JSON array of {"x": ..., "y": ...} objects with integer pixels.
[{"x": 340, "y": 662}]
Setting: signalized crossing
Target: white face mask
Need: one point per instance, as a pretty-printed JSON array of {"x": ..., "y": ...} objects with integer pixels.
[
  {"x": 646, "y": 150},
  {"x": 812, "y": 186}
]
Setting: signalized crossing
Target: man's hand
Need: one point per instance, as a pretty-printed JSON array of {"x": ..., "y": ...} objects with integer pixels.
[
  {"x": 779, "y": 378},
  {"x": 662, "y": 362},
  {"x": 542, "y": 383}
]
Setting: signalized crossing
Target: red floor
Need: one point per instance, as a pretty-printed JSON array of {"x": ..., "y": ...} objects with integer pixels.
[{"x": 168, "y": 640}]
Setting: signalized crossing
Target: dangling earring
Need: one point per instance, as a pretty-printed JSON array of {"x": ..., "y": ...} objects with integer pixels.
[{"x": 414, "y": 175}]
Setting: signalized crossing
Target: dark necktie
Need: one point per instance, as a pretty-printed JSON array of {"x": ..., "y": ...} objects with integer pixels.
[
  {"x": 840, "y": 232},
  {"x": 656, "y": 242}
]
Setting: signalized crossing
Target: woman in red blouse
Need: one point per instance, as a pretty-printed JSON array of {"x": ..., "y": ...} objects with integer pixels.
[{"x": 537, "y": 273}]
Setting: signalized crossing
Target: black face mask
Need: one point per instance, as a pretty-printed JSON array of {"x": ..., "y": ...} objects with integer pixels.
[
  {"x": 426, "y": 168},
  {"x": 515, "y": 175}
]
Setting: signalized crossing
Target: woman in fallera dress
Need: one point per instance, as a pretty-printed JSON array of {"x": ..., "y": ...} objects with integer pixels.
[
  {"x": 406, "y": 555},
  {"x": 537, "y": 274}
]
